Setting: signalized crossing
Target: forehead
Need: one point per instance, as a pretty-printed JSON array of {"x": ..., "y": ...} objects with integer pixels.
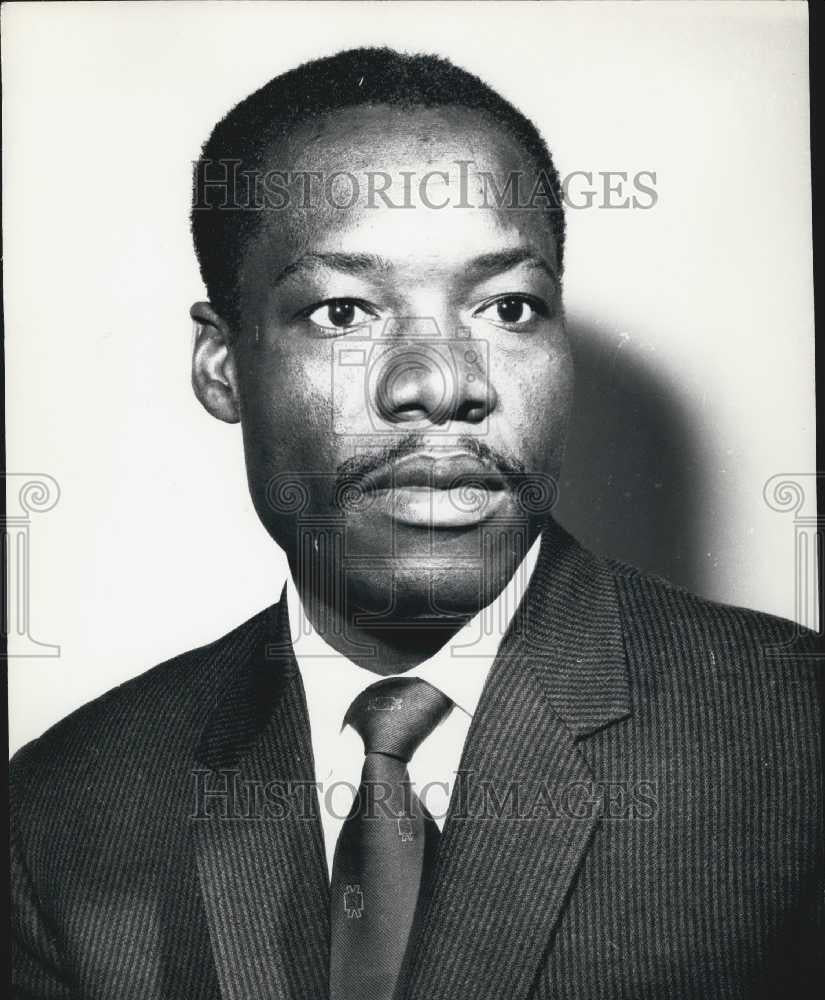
[
  {"x": 368, "y": 135},
  {"x": 417, "y": 186}
]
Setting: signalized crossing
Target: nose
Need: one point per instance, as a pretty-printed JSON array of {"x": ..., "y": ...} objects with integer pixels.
[{"x": 421, "y": 376}]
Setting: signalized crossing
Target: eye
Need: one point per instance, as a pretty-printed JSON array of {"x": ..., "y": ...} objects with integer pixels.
[
  {"x": 511, "y": 310},
  {"x": 340, "y": 314}
]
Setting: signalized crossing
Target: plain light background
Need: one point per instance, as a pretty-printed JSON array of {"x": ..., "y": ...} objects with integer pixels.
[{"x": 692, "y": 321}]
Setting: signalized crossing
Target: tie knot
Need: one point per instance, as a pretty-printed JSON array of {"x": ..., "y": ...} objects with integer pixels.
[{"x": 394, "y": 716}]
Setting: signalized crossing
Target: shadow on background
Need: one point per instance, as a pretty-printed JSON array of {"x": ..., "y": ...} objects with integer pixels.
[{"x": 631, "y": 483}]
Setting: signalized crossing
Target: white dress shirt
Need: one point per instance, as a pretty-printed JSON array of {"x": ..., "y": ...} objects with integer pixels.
[{"x": 331, "y": 682}]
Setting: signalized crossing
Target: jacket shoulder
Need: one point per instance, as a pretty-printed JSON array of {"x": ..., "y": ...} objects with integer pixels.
[
  {"x": 140, "y": 722},
  {"x": 726, "y": 668},
  {"x": 663, "y": 610}
]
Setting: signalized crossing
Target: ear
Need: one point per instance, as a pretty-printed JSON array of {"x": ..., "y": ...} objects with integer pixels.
[{"x": 214, "y": 372}]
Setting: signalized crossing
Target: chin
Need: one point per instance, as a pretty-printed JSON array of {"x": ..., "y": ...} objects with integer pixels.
[{"x": 423, "y": 589}]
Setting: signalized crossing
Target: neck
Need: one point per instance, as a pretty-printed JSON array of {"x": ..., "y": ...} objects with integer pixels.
[
  {"x": 383, "y": 646},
  {"x": 404, "y": 634}
]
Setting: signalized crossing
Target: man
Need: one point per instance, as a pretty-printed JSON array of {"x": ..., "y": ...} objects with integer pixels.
[{"x": 561, "y": 777}]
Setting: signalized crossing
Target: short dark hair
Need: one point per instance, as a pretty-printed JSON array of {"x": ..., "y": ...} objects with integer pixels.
[{"x": 356, "y": 77}]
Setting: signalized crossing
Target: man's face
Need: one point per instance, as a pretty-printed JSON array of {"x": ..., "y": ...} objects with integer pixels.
[{"x": 403, "y": 374}]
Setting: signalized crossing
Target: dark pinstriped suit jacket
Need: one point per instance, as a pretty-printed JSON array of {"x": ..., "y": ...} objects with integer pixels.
[{"x": 676, "y": 852}]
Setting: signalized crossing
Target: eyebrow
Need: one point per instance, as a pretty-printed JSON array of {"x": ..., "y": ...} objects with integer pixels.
[
  {"x": 364, "y": 263},
  {"x": 505, "y": 260},
  {"x": 348, "y": 263}
]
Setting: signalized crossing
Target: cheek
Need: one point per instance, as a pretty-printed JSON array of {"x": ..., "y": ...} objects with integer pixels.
[
  {"x": 285, "y": 410},
  {"x": 536, "y": 392}
]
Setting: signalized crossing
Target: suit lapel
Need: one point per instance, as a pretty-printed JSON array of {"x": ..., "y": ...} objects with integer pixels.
[
  {"x": 259, "y": 854},
  {"x": 525, "y": 807}
]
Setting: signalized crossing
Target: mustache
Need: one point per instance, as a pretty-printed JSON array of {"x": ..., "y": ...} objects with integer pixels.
[{"x": 359, "y": 467}]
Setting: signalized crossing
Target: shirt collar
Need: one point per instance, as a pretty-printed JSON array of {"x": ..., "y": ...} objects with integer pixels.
[{"x": 459, "y": 669}]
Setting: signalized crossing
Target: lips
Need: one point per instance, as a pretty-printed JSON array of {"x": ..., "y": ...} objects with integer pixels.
[
  {"x": 443, "y": 491},
  {"x": 455, "y": 470}
]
